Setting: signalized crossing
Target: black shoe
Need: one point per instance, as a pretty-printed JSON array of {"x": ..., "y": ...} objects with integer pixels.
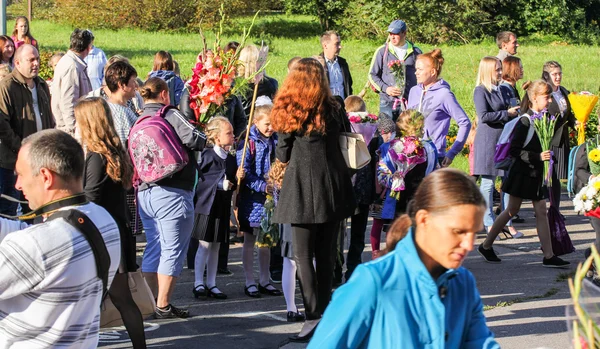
[
  {"x": 236, "y": 239},
  {"x": 308, "y": 330},
  {"x": 224, "y": 271},
  {"x": 253, "y": 294},
  {"x": 517, "y": 219},
  {"x": 170, "y": 312},
  {"x": 200, "y": 291},
  {"x": 555, "y": 262},
  {"x": 295, "y": 316},
  {"x": 276, "y": 276},
  {"x": 488, "y": 255},
  {"x": 265, "y": 290},
  {"x": 215, "y": 295}
]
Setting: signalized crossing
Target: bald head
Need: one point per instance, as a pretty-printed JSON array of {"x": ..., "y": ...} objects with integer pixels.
[{"x": 27, "y": 61}]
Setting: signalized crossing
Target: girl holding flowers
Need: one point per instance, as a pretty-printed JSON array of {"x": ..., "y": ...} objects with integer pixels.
[{"x": 525, "y": 177}]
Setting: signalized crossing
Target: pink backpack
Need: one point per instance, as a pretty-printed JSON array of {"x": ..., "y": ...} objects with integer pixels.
[{"x": 155, "y": 149}]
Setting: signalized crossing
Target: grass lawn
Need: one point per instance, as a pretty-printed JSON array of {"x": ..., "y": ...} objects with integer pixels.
[{"x": 290, "y": 36}]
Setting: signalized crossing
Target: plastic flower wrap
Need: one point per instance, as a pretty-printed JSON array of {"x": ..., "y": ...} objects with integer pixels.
[
  {"x": 582, "y": 104},
  {"x": 543, "y": 124},
  {"x": 398, "y": 69},
  {"x": 269, "y": 232},
  {"x": 405, "y": 153},
  {"x": 363, "y": 123},
  {"x": 587, "y": 200}
]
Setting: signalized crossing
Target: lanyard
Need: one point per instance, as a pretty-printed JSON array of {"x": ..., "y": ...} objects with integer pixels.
[{"x": 49, "y": 208}]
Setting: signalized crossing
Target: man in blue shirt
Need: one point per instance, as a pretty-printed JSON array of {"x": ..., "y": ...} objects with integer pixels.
[{"x": 336, "y": 68}]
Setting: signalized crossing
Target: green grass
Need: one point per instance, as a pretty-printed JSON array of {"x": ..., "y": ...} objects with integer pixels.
[
  {"x": 290, "y": 36},
  {"x": 551, "y": 292}
]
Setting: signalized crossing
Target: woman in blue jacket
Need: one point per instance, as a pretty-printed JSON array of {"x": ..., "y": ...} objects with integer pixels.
[{"x": 418, "y": 295}]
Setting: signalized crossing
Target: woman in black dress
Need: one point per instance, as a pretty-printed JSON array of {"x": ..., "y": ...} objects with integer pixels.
[
  {"x": 525, "y": 177},
  {"x": 316, "y": 193},
  {"x": 108, "y": 175}
]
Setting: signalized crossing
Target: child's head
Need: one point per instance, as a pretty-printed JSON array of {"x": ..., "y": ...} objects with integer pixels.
[
  {"x": 538, "y": 95},
  {"x": 354, "y": 104},
  {"x": 386, "y": 128},
  {"x": 410, "y": 123},
  {"x": 262, "y": 119},
  {"x": 55, "y": 58},
  {"x": 220, "y": 132},
  {"x": 293, "y": 61}
]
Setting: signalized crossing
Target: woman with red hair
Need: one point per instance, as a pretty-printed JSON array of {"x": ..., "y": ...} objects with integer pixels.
[{"x": 316, "y": 192}]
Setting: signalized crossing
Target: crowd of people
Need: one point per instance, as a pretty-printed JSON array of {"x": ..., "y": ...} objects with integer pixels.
[{"x": 68, "y": 144}]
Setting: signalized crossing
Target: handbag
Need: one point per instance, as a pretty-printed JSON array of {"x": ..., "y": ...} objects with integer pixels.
[
  {"x": 354, "y": 149},
  {"x": 142, "y": 296}
]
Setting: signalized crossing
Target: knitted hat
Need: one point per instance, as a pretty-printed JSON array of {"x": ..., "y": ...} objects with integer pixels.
[{"x": 386, "y": 125}]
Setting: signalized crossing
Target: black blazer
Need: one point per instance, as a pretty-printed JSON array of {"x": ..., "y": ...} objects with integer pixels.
[
  {"x": 566, "y": 122},
  {"x": 527, "y": 158},
  {"x": 345, "y": 73}
]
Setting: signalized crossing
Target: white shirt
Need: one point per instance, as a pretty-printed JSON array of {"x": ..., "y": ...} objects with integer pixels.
[
  {"x": 96, "y": 60},
  {"x": 50, "y": 292},
  {"x": 36, "y": 108},
  {"x": 401, "y": 51}
]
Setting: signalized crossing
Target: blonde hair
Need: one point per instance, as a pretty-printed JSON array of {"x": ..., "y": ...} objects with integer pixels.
[
  {"x": 248, "y": 59},
  {"x": 534, "y": 89},
  {"x": 354, "y": 104},
  {"x": 261, "y": 111},
  {"x": 487, "y": 73},
  {"x": 411, "y": 123},
  {"x": 96, "y": 127},
  {"x": 214, "y": 127}
]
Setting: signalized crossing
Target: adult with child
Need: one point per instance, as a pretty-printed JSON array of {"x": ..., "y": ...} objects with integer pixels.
[
  {"x": 166, "y": 207},
  {"x": 433, "y": 98},
  {"x": 71, "y": 81},
  {"x": 24, "y": 110},
  {"x": 494, "y": 110},
  {"x": 525, "y": 177},
  {"x": 163, "y": 68},
  {"x": 418, "y": 295},
  {"x": 7, "y": 50},
  {"x": 121, "y": 81},
  {"x": 507, "y": 44},
  {"x": 316, "y": 192},
  {"x": 336, "y": 67},
  {"x": 21, "y": 33},
  {"x": 560, "y": 107},
  {"x": 50, "y": 290},
  {"x": 380, "y": 76},
  {"x": 217, "y": 180},
  {"x": 259, "y": 154},
  {"x": 108, "y": 174}
]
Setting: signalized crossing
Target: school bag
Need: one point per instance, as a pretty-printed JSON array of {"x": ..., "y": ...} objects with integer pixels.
[
  {"x": 502, "y": 158},
  {"x": 571, "y": 171},
  {"x": 155, "y": 149}
]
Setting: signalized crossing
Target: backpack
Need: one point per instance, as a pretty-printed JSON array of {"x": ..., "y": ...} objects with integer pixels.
[
  {"x": 502, "y": 157},
  {"x": 571, "y": 171},
  {"x": 155, "y": 149}
]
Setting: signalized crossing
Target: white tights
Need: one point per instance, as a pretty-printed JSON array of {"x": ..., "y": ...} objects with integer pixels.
[
  {"x": 264, "y": 256},
  {"x": 288, "y": 283},
  {"x": 207, "y": 255}
]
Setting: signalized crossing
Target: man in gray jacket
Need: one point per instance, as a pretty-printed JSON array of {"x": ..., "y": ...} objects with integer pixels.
[{"x": 71, "y": 81}]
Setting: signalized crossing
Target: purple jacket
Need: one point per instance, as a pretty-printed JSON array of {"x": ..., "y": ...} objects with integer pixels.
[{"x": 438, "y": 105}]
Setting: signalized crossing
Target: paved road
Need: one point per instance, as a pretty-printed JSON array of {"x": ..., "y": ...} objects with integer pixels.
[{"x": 532, "y": 321}]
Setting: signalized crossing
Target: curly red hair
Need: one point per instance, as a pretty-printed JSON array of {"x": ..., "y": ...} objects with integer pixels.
[{"x": 304, "y": 101}]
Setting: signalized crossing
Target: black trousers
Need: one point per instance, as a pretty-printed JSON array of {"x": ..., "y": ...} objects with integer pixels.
[
  {"x": 358, "y": 226},
  {"x": 318, "y": 241},
  {"x": 130, "y": 313}
]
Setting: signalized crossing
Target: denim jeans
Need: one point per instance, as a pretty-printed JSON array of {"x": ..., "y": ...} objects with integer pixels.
[
  {"x": 7, "y": 187},
  {"x": 487, "y": 190}
]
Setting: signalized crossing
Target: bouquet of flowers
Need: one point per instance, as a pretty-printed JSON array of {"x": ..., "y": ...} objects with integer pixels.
[
  {"x": 398, "y": 69},
  {"x": 587, "y": 200},
  {"x": 544, "y": 127},
  {"x": 582, "y": 104},
  {"x": 405, "y": 153},
  {"x": 214, "y": 77},
  {"x": 363, "y": 123},
  {"x": 593, "y": 151},
  {"x": 269, "y": 232}
]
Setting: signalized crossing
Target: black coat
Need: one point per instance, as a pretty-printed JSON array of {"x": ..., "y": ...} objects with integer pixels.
[
  {"x": 266, "y": 87},
  {"x": 316, "y": 187},
  {"x": 345, "y": 73}
]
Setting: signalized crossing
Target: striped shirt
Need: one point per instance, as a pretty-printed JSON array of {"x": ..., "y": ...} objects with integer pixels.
[{"x": 50, "y": 293}]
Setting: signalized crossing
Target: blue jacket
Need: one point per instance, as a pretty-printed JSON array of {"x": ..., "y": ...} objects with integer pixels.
[
  {"x": 174, "y": 82},
  {"x": 259, "y": 156},
  {"x": 393, "y": 302}
]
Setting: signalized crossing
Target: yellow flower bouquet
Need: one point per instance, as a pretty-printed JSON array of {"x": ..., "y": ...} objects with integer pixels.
[
  {"x": 594, "y": 160},
  {"x": 582, "y": 104}
]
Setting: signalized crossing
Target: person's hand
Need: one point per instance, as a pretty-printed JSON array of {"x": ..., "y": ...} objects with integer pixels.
[
  {"x": 241, "y": 173},
  {"x": 393, "y": 91},
  {"x": 545, "y": 155},
  {"x": 227, "y": 185},
  {"x": 514, "y": 111},
  {"x": 446, "y": 162},
  {"x": 269, "y": 189}
]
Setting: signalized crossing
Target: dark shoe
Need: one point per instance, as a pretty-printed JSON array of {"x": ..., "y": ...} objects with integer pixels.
[
  {"x": 170, "y": 312},
  {"x": 215, "y": 295},
  {"x": 200, "y": 291},
  {"x": 253, "y": 294},
  {"x": 224, "y": 271},
  {"x": 295, "y": 316},
  {"x": 555, "y": 262},
  {"x": 306, "y": 333},
  {"x": 273, "y": 291},
  {"x": 488, "y": 255},
  {"x": 517, "y": 219},
  {"x": 237, "y": 239},
  {"x": 276, "y": 276}
]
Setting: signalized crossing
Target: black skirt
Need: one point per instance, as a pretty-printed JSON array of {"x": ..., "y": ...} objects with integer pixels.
[
  {"x": 524, "y": 186},
  {"x": 215, "y": 226}
]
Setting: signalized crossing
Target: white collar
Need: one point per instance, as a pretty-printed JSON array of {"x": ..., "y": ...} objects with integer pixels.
[{"x": 222, "y": 153}]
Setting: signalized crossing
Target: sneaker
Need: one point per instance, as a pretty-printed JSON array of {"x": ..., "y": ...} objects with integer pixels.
[
  {"x": 488, "y": 255},
  {"x": 555, "y": 262},
  {"x": 170, "y": 312}
]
